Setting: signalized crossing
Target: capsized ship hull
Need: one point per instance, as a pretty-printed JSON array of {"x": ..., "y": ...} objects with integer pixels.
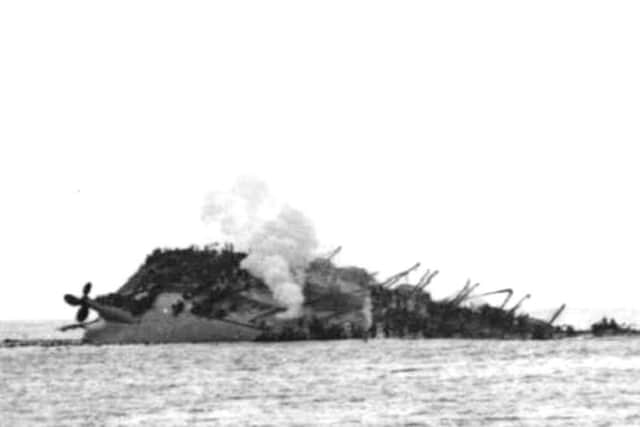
[
  {"x": 160, "y": 325},
  {"x": 204, "y": 295}
]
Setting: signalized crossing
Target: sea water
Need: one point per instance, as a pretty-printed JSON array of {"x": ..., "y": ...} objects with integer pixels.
[{"x": 572, "y": 382}]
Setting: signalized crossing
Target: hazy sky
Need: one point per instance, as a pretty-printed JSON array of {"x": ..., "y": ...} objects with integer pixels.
[{"x": 490, "y": 140}]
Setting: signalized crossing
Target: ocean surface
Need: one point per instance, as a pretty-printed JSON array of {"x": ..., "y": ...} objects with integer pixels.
[{"x": 578, "y": 382}]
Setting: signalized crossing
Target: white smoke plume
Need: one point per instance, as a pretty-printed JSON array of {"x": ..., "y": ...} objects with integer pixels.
[
  {"x": 238, "y": 212},
  {"x": 367, "y": 320},
  {"x": 279, "y": 239}
]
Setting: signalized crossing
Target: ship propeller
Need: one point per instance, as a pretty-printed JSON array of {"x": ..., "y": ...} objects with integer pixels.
[{"x": 83, "y": 311}]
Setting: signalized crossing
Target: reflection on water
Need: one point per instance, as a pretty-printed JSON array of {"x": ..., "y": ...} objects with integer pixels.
[{"x": 382, "y": 382}]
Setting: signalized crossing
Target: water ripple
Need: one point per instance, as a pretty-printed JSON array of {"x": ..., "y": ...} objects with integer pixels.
[{"x": 382, "y": 382}]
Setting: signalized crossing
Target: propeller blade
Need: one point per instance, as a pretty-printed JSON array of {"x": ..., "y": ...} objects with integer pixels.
[
  {"x": 83, "y": 313},
  {"x": 86, "y": 289},
  {"x": 72, "y": 300}
]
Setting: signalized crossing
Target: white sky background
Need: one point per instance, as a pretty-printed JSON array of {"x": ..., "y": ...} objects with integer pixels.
[{"x": 491, "y": 140}]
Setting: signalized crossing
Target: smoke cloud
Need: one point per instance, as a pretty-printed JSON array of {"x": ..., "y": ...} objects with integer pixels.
[
  {"x": 367, "y": 320},
  {"x": 280, "y": 240}
]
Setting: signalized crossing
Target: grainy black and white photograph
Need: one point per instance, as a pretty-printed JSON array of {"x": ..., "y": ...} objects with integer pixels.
[{"x": 337, "y": 213}]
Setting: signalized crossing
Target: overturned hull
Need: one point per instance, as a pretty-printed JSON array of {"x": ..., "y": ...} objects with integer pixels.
[
  {"x": 160, "y": 325},
  {"x": 192, "y": 330},
  {"x": 204, "y": 295}
]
